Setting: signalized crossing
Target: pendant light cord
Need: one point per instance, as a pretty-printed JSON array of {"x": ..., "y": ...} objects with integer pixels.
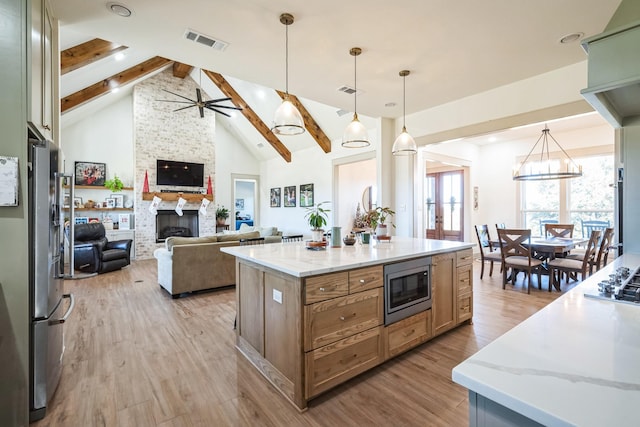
[
  {"x": 355, "y": 84},
  {"x": 404, "y": 102},
  {"x": 286, "y": 60}
]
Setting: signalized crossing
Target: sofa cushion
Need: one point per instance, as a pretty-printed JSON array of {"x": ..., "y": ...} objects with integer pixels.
[
  {"x": 232, "y": 237},
  {"x": 264, "y": 231},
  {"x": 172, "y": 241}
]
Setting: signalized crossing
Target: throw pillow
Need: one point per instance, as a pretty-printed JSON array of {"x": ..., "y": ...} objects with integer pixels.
[
  {"x": 234, "y": 237},
  {"x": 244, "y": 228},
  {"x": 268, "y": 231}
]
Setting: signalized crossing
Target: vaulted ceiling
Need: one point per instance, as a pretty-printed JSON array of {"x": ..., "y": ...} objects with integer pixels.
[{"x": 453, "y": 49}]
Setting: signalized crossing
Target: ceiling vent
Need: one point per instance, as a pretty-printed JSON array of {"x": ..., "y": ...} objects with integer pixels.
[
  {"x": 341, "y": 112},
  {"x": 205, "y": 40},
  {"x": 349, "y": 90}
]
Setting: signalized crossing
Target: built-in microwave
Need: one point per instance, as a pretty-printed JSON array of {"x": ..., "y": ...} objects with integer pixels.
[{"x": 407, "y": 289}]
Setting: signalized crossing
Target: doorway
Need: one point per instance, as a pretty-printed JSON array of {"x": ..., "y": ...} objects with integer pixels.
[
  {"x": 444, "y": 208},
  {"x": 245, "y": 200}
]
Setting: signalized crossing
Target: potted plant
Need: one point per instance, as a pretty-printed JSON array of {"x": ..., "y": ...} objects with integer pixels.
[
  {"x": 317, "y": 217},
  {"x": 379, "y": 218},
  {"x": 114, "y": 184},
  {"x": 222, "y": 214}
]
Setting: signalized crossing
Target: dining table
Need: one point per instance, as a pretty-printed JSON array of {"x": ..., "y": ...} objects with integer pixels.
[{"x": 555, "y": 246}]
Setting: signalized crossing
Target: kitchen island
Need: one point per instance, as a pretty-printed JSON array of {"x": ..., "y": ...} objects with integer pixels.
[
  {"x": 573, "y": 363},
  {"x": 309, "y": 320}
]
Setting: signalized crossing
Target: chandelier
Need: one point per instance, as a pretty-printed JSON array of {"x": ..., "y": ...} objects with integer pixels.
[{"x": 543, "y": 167}]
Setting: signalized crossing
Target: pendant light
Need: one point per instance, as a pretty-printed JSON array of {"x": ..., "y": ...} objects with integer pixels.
[
  {"x": 544, "y": 167},
  {"x": 404, "y": 144},
  {"x": 287, "y": 120},
  {"x": 355, "y": 135}
]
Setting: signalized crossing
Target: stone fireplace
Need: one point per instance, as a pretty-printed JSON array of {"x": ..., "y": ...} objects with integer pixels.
[
  {"x": 169, "y": 223},
  {"x": 161, "y": 133}
]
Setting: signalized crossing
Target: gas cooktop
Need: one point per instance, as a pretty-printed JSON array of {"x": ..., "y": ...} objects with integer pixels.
[{"x": 622, "y": 286}]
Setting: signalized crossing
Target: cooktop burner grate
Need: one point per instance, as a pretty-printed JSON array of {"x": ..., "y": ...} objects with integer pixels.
[{"x": 622, "y": 286}]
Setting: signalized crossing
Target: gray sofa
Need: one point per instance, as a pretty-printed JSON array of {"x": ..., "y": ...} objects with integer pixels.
[{"x": 187, "y": 264}]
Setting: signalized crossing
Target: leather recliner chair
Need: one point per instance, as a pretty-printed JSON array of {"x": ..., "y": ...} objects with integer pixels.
[{"x": 93, "y": 253}]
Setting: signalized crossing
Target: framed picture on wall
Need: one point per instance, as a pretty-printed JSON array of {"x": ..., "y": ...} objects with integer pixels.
[
  {"x": 119, "y": 200},
  {"x": 275, "y": 197},
  {"x": 306, "y": 195},
  {"x": 240, "y": 204},
  {"x": 290, "y": 197},
  {"x": 89, "y": 173}
]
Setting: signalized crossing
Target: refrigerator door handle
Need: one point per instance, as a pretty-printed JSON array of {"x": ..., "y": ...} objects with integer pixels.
[{"x": 69, "y": 310}]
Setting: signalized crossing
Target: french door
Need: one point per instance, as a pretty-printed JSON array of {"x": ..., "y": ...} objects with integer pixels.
[{"x": 445, "y": 205}]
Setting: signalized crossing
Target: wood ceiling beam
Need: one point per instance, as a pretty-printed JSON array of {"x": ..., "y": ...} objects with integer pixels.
[
  {"x": 181, "y": 70},
  {"x": 86, "y": 53},
  {"x": 107, "y": 85},
  {"x": 312, "y": 126},
  {"x": 253, "y": 118}
]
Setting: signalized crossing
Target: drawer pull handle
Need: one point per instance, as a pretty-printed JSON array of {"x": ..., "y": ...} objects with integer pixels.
[
  {"x": 409, "y": 333},
  {"x": 343, "y": 318},
  {"x": 466, "y": 257},
  {"x": 361, "y": 280}
]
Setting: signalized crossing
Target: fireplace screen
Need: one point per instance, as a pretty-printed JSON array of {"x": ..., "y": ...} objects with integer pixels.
[{"x": 169, "y": 223}]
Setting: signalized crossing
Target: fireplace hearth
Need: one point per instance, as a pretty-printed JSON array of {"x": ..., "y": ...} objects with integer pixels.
[{"x": 169, "y": 223}]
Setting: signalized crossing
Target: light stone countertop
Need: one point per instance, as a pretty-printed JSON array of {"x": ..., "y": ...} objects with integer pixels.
[
  {"x": 575, "y": 362},
  {"x": 295, "y": 259}
]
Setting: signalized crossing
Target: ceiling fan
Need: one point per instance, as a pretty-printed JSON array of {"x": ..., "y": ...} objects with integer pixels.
[{"x": 211, "y": 104}]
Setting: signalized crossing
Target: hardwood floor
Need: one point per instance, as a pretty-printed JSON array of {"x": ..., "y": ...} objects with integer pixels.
[{"x": 136, "y": 357}]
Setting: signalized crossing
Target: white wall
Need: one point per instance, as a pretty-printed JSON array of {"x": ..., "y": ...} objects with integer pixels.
[{"x": 231, "y": 157}]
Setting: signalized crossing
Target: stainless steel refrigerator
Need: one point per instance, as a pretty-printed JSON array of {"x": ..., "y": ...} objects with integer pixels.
[{"x": 47, "y": 309}]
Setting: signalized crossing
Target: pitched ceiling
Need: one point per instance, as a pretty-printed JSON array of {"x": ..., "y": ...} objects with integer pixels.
[{"x": 453, "y": 49}]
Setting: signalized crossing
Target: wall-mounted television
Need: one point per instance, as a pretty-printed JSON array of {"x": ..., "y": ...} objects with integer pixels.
[{"x": 180, "y": 173}]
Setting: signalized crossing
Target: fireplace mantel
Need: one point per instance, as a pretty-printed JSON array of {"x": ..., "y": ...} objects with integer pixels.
[{"x": 172, "y": 197}]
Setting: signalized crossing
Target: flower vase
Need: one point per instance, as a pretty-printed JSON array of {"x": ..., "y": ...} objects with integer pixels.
[{"x": 381, "y": 230}]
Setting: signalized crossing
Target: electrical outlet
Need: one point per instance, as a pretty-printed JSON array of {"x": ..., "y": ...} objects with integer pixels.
[{"x": 277, "y": 296}]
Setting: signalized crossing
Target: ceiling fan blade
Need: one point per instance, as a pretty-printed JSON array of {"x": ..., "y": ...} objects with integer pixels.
[
  {"x": 217, "y": 100},
  {"x": 176, "y": 94},
  {"x": 201, "y": 111},
  {"x": 184, "y": 108},
  {"x": 179, "y": 102},
  {"x": 224, "y": 106},
  {"x": 199, "y": 95},
  {"x": 217, "y": 111}
]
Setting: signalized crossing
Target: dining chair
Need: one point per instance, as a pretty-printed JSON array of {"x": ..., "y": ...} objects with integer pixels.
[
  {"x": 515, "y": 248},
  {"x": 292, "y": 238},
  {"x": 558, "y": 230},
  {"x": 602, "y": 254},
  {"x": 572, "y": 266},
  {"x": 546, "y": 221},
  {"x": 486, "y": 249},
  {"x": 589, "y": 225},
  {"x": 252, "y": 241}
]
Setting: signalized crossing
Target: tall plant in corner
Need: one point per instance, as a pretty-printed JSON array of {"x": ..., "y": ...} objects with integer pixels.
[{"x": 317, "y": 217}]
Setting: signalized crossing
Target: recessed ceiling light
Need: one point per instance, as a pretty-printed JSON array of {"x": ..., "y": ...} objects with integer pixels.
[
  {"x": 119, "y": 9},
  {"x": 570, "y": 38},
  {"x": 492, "y": 139},
  {"x": 260, "y": 94},
  {"x": 390, "y": 104},
  {"x": 118, "y": 56}
]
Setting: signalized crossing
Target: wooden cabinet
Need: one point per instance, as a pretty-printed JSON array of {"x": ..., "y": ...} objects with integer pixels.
[
  {"x": 335, "y": 363},
  {"x": 343, "y": 333},
  {"x": 308, "y": 335},
  {"x": 443, "y": 292},
  {"x": 42, "y": 100},
  {"x": 464, "y": 282},
  {"x": 407, "y": 333}
]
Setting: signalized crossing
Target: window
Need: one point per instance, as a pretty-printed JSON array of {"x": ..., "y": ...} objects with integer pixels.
[{"x": 590, "y": 197}]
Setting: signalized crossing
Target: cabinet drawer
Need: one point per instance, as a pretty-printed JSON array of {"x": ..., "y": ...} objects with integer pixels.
[
  {"x": 407, "y": 333},
  {"x": 365, "y": 278},
  {"x": 333, "y": 364},
  {"x": 335, "y": 319},
  {"x": 465, "y": 307},
  {"x": 465, "y": 279},
  {"x": 464, "y": 257},
  {"x": 327, "y": 286}
]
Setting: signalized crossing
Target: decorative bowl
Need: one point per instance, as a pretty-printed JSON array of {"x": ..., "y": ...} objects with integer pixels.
[{"x": 349, "y": 240}]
